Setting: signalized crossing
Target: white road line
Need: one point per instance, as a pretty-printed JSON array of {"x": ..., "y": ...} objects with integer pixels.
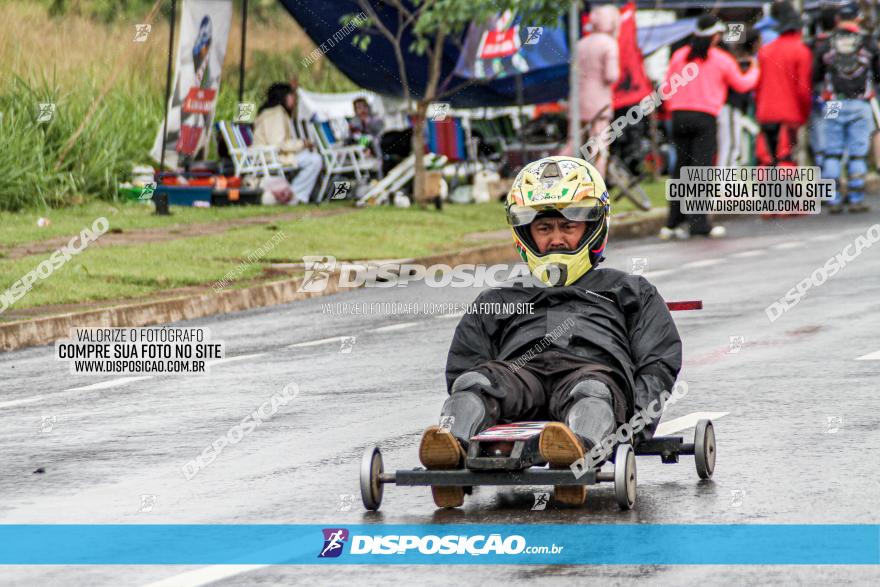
[
  {"x": 315, "y": 342},
  {"x": 788, "y": 245},
  {"x": 73, "y": 391},
  {"x": 826, "y": 237},
  {"x": 869, "y": 357},
  {"x": 746, "y": 254},
  {"x": 660, "y": 273},
  {"x": 685, "y": 422},
  {"x": 205, "y": 576},
  {"x": 703, "y": 263},
  {"x": 109, "y": 384},
  {"x": 448, "y": 316},
  {"x": 395, "y": 327},
  {"x": 225, "y": 360}
]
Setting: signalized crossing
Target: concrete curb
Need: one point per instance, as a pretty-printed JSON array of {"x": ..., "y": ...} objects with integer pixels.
[{"x": 40, "y": 331}]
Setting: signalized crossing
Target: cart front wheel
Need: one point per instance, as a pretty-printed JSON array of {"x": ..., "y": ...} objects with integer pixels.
[
  {"x": 371, "y": 468},
  {"x": 625, "y": 476},
  {"x": 704, "y": 448}
]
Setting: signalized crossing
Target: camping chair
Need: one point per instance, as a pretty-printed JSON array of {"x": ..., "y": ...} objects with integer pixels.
[
  {"x": 339, "y": 158},
  {"x": 246, "y": 158}
]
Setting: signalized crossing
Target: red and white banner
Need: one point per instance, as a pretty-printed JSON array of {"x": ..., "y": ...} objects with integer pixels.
[{"x": 204, "y": 32}]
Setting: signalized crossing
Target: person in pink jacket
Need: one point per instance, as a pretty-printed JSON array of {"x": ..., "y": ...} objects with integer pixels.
[
  {"x": 695, "y": 107},
  {"x": 599, "y": 69}
]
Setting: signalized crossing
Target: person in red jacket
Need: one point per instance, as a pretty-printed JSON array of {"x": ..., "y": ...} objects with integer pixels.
[{"x": 783, "y": 96}]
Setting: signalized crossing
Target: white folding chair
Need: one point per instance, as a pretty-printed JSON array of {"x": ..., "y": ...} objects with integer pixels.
[
  {"x": 249, "y": 159},
  {"x": 339, "y": 158}
]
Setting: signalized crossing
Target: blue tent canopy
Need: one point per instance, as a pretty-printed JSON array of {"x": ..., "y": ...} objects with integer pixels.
[{"x": 376, "y": 69}]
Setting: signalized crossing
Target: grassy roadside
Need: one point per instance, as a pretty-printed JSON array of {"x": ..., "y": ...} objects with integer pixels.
[{"x": 124, "y": 271}]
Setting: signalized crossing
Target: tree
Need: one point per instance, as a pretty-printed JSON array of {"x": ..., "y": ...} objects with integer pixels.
[{"x": 432, "y": 23}]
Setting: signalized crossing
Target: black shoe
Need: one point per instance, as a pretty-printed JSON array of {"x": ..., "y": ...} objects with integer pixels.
[
  {"x": 860, "y": 207},
  {"x": 835, "y": 208}
]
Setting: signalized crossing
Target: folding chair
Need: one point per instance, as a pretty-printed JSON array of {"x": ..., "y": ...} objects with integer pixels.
[
  {"x": 247, "y": 158},
  {"x": 339, "y": 158}
]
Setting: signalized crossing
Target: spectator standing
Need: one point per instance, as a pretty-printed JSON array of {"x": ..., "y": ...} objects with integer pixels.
[
  {"x": 848, "y": 68},
  {"x": 599, "y": 70},
  {"x": 783, "y": 97},
  {"x": 695, "y": 107},
  {"x": 730, "y": 120},
  {"x": 826, "y": 23}
]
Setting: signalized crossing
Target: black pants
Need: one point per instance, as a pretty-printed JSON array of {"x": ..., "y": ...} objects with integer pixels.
[
  {"x": 694, "y": 135},
  {"x": 539, "y": 390},
  {"x": 771, "y": 133}
]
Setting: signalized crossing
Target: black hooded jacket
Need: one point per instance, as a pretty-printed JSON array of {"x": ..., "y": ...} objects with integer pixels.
[{"x": 616, "y": 319}]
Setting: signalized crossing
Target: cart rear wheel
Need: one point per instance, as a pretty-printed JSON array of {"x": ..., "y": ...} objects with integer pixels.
[
  {"x": 371, "y": 468},
  {"x": 625, "y": 476},
  {"x": 704, "y": 448}
]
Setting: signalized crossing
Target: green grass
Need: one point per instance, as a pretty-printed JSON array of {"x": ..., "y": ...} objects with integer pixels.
[
  {"x": 21, "y": 227},
  {"x": 656, "y": 193},
  {"x": 128, "y": 271},
  {"x": 136, "y": 270}
]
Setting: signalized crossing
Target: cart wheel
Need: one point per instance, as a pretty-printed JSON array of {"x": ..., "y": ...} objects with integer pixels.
[
  {"x": 704, "y": 448},
  {"x": 625, "y": 476},
  {"x": 371, "y": 468}
]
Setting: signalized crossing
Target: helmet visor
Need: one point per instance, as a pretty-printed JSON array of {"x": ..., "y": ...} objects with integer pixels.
[{"x": 583, "y": 211}]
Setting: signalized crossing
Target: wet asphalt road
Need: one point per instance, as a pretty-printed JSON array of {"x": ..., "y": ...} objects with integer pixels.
[{"x": 798, "y": 443}]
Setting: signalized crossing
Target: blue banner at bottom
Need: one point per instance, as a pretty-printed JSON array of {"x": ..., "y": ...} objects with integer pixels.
[{"x": 440, "y": 544}]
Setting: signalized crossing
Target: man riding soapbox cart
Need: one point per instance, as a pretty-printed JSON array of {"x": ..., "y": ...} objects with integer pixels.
[
  {"x": 508, "y": 454},
  {"x": 607, "y": 348}
]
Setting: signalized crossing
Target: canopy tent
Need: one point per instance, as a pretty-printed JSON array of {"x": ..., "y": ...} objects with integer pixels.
[{"x": 376, "y": 69}]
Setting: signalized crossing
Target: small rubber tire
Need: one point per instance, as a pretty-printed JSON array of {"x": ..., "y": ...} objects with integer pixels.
[
  {"x": 371, "y": 467},
  {"x": 704, "y": 448},
  {"x": 625, "y": 476}
]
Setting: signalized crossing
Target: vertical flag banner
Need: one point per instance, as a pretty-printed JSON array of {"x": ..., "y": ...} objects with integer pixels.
[
  {"x": 204, "y": 33},
  {"x": 502, "y": 48},
  {"x": 633, "y": 84}
]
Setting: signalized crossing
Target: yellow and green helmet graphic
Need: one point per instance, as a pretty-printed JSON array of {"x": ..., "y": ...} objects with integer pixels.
[{"x": 565, "y": 186}]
